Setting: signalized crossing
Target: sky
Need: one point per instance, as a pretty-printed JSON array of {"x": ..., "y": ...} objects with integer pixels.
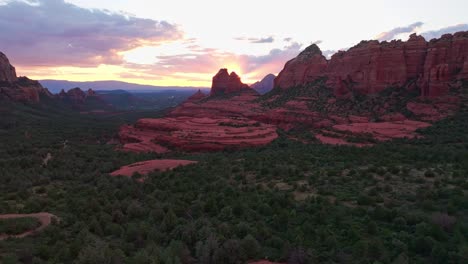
[{"x": 184, "y": 43}]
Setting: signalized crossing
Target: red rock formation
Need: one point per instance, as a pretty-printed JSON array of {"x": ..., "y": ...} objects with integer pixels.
[
  {"x": 62, "y": 93},
  {"x": 7, "y": 71},
  {"x": 446, "y": 60},
  {"x": 18, "y": 89},
  {"x": 196, "y": 134},
  {"x": 220, "y": 123},
  {"x": 224, "y": 83},
  {"x": 373, "y": 66},
  {"x": 76, "y": 95},
  {"x": 90, "y": 92},
  {"x": 385, "y": 130},
  {"x": 308, "y": 66},
  {"x": 23, "y": 90}
]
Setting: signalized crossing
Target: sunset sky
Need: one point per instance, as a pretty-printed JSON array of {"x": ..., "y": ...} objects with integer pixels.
[{"x": 184, "y": 43}]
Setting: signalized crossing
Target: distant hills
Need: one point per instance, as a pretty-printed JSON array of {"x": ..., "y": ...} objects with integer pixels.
[
  {"x": 103, "y": 96},
  {"x": 55, "y": 86},
  {"x": 265, "y": 85}
]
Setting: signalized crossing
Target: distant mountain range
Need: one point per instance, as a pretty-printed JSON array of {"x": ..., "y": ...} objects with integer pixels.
[
  {"x": 265, "y": 85},
  {"x": 55, "y": 86}
]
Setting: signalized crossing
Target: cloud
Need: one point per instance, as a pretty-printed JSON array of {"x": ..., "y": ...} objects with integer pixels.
[
  {"x": 428, "y": 35},
  {"x": 56, "y": 33},
  {"x": 389, "y": 35},
  {"x": 287, "y": 39},
  {"x": 271, "y": 62},
  {"x": 269, "y": 39},
  {"x": 202, "y": 64}
]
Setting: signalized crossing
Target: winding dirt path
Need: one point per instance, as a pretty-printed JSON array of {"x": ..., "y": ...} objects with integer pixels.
[
  {"x": 44, "y": 218},
  {"x": 145, "y": 167}
]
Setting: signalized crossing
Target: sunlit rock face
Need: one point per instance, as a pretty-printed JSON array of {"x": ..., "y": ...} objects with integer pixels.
[{"x": 372, "y": 66}]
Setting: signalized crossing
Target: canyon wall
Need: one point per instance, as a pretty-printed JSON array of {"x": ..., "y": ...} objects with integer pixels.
[{"x": 372, "y": 66}]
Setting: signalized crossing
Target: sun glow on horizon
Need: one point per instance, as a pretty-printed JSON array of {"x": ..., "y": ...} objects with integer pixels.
[{"x": 113, "y": 73}]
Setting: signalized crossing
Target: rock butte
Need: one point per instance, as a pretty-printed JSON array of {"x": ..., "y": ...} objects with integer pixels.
[
  {"x": 372, "y": 66},
  {"x": 78, "y": 97},
  {"x": 224, "y": 83},
  {"x": 145, "y": 167}
]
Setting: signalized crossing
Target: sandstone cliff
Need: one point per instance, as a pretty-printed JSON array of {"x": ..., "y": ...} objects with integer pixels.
[
  {"x": 7, "y": 71},
  {"x": 18, "y": 88},
  {"x": 372, "y": 66}
]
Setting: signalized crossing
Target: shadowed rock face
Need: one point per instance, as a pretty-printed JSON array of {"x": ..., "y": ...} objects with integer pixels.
[
  {"x": 77, "y": 96},
  {"x": 306, "y": 67},
  {"x": 265, "y": 85},
  {"x": 372, "y": 66},
  {"x": 225, "y": 83},
  {"x": 7, "y": 71},
  {"x": 18, "y": 89}
]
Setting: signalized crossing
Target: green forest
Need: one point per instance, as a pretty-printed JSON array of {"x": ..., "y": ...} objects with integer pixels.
[{"x": 403, "y": 201}]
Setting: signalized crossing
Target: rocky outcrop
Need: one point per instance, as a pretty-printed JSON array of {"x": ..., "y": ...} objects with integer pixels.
[
  {"x": 23, "y": 90},
  {"x": 329, "y": 107},
  {"x": 189, "y": 133},
  {"x": 373, "y": 66},
  {"x": 7, "y": 71},
  {"x": 306, "y": 67},
  {"x": 91, "y": 92},
  {"x": 76, "y": 96},
  {"x": 18, "y": 88},
  {"x": 197, "y": 96},
  {"x": 225, "y": 83},
  {"x": 446, "y": 60},
  {"x": 265, "y": 85}
]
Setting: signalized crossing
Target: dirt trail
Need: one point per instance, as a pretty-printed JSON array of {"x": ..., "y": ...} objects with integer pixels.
[
  {"x": 44, "y": 218},
  {"x": 145, "y": 167}
]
